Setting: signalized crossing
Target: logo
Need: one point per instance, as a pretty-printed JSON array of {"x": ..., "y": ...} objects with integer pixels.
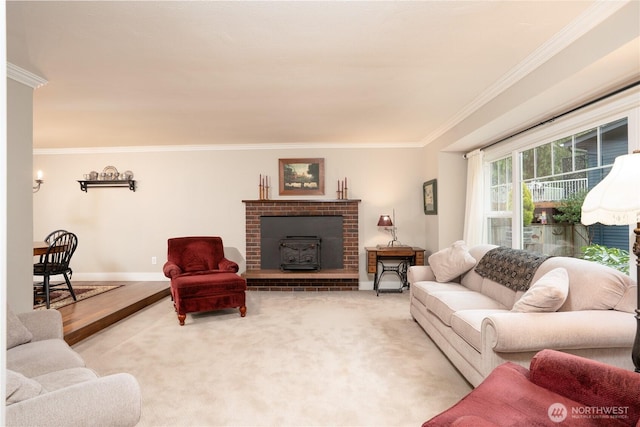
[{"x": 557, "y": 412}]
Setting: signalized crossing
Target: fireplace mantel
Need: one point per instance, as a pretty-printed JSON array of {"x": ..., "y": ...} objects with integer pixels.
[
  {"x": 303, "y": 201},
  {"x": 345, "y": 279}
]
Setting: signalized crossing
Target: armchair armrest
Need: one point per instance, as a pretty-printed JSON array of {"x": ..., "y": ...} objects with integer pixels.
[
  {"x": 171, "y": 269},
  {"x": 589, "y": 382},
  {"x": 107, "y": 401},
  {"x": 43, "y": 324},
  {"x": 228, "y": 265}
]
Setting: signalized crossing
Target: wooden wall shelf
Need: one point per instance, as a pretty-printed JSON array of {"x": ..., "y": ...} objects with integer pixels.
[{"x": 86, "y": 184}]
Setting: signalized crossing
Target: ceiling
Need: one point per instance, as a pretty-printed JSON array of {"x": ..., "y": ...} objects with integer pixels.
[{"x": 356, "y": 73}]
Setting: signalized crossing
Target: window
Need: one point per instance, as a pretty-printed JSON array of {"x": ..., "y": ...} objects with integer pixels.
[
  {"x": 536, "y": 192},
  {"x": 500, "y": 213}
]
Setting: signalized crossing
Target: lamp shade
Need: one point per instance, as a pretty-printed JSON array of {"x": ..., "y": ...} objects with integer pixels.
[
  {"x": 385, "y": 221},
  {"x": 616, "y": 199}
]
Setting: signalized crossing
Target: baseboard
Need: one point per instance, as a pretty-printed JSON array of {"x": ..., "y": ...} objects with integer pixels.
[
  {"x": 154, "y": 277},
  {"x": 119, "y": 277}
]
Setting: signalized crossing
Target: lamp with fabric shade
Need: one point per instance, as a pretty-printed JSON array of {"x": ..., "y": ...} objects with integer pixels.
[
  {"x": 386, "y": 222},
  {"x": 616, "y": 201}
]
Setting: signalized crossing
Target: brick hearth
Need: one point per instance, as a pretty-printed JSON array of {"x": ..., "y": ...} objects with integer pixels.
[{"x": 322, "y": 280}]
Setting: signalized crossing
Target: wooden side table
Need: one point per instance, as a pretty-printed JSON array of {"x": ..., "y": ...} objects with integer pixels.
[{"x": 402, "y": 257}]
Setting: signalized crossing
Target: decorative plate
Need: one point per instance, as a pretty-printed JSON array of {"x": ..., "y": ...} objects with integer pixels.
[{"x": 110, "y": 170}]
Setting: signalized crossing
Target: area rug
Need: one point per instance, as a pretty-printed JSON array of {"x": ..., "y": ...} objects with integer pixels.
[
  {"x": 296, "y": 359},
  {"x": 62, "y": 297}
]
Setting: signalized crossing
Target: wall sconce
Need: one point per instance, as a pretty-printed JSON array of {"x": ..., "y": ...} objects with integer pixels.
[
  {"x": 388, "y": 224},
  {"x": 39, "y": 181}
]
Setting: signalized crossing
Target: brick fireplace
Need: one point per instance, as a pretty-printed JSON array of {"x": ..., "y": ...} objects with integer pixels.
[{"x": 346, "y": 278}]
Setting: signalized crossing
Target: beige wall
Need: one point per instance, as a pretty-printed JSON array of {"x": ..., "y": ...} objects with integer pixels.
[
  {"x": 452, "y": 182},
  {"x": 19, "y": 195},
  {"x": 450, "y": 169},
  {"x": 201, "y": 192}
]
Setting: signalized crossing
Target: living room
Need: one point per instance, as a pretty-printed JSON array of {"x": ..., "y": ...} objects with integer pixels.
[
  {"x": 385, "y": 176},
  {"x": 191, "y": 187}
]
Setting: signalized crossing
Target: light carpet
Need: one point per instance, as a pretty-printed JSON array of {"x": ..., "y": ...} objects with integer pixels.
[{"x": 296, "y": 359}]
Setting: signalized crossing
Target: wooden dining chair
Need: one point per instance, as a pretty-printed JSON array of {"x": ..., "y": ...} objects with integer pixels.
[
  {"x": 50, "y": 238},
  {"x": 56, "y": 262}
]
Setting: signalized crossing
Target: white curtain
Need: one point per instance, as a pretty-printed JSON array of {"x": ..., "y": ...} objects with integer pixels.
[{"x": 474, "y": 207}]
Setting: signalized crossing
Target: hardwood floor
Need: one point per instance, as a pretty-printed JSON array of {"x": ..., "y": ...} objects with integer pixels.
[{"x": 86, "y": 317}]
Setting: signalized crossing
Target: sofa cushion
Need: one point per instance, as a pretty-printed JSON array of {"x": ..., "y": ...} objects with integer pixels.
[
  {"x": 41, "y": 357},
  {"x": 498, "y": 292},
  {"x": 17, "y": 333},
  {"x": 452, "y": 262},
  {"x": 207, "y": 283},
  {"x": 445, "y": 303},
  {"x": 547, "y": 294},
  {"x": 473, "y": 280},
  {"x": 421, "y": 290},
  {"x": 65, "y": 378},
  {"x": 20, "y": 388},
  {"x": 628, "y": 301},
  {"x": 592, "y": 286},
  {"x": 468, "y": 325}
]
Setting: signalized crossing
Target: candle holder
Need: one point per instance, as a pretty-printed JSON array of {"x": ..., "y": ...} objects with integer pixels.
[
  {"x": 342, "y": 190},
  {"x": 263, "y": 187}
]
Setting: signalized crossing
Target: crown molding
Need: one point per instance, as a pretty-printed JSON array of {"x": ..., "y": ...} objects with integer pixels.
[
  {"x": 25, "y": 77},
  {"x": 223, "y": 147},
  {"x": 589, "y": 19}
]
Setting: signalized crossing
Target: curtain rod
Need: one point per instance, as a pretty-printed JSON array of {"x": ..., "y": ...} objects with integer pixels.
[{"x": 573, "y": 110}]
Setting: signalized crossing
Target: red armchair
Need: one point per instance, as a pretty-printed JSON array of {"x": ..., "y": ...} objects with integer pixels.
[
  {"x": 558, "y": 389},
  {"x": 202, "y": 279}
]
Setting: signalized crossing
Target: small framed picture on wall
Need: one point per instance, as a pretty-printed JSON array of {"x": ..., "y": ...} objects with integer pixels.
[{"x": 430, "y": 197}]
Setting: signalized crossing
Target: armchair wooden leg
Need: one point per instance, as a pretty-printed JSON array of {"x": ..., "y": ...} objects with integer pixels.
[
  {"x": 243, "y": 311},
  {"x": 181, "y": 318}
]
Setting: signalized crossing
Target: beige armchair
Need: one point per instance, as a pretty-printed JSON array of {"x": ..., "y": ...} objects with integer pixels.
[{"x": 49, "y": 385}]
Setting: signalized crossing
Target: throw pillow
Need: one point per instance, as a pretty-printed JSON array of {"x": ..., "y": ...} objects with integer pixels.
[
  {"x": 20, "y": 388},
  {"x": 17, "y": 333},
  {"x": 545, "y": 295},
  {"x": 449, "y": 263}
]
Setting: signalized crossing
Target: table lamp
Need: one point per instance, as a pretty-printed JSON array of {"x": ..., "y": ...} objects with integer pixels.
[
  {"x": 386, "y": 222},
  {"x": 616, "y": 201}
]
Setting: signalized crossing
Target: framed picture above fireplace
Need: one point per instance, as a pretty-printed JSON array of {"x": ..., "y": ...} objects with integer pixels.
[{"x": 301, "y": 177}]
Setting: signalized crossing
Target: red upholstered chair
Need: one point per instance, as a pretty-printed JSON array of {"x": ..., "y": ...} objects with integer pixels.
[
  {"x": 202, "y": 279},
  {"x": 558, "y": 389}
]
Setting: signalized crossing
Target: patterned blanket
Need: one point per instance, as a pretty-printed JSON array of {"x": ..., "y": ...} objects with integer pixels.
[{"x": 513, "y": 268}]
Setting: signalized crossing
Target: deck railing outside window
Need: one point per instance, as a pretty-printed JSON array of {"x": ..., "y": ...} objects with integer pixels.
[{"x": 547, "y": 191}]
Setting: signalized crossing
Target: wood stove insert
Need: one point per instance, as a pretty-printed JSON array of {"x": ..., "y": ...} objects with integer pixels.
[{"x": 300, "y": 253}]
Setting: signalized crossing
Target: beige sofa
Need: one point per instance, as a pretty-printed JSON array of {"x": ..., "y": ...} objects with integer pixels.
[
  {"x": 47, "y": 383},
  {"x": 471, "y": 319}
]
